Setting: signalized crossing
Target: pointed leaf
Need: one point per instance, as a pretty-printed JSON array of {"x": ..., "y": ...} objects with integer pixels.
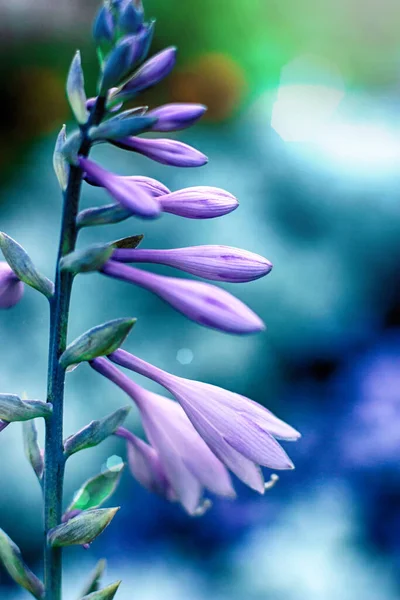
[
  {"x": 23, "y": 267},
  {"x": 96, "y": 432},
  {"x": 93, "y": 585},
  {"x": 10, "y": 556},
  {"x": 117, "y": 128},
  {"x": 82, "y": 529},
  {"x": 99, "y": 341},
  {"x": 76, "y": 90},
  {"x": 97, "y": 490},
  {"x": 107, "y": 593},
  {"x": 32, "y": 448},
  {"x": 103, "y": 215},
  {"x": 61, "y": 167},
  {"x": 13, "y": 408},
  {"x": 128, "y": 242},
  {"x": 70, "y": 149},
  {"x": 87, "y": 260}
]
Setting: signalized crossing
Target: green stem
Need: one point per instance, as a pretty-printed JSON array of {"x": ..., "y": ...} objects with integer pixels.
[{"x": 59, "y": 312}]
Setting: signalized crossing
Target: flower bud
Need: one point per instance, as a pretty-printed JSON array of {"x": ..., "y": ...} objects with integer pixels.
[
  {"x": 174, "y": 117},
  {"x": 164, "y": 151},
  {"x": 149, "y": 74},
  {"x": 11, "y": 288},
  {"x": 103, "y": 27},
  {"x": 131, "y": 17}
]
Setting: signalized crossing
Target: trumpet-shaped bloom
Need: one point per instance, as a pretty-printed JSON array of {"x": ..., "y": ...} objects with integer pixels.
[
  {"x": 186, "y": 461},
  {"x": 219, "y": 263},
  {"x": 204, "y": 303},
  {"x": 177, "y": 116},
  {"x": 126, "y": 192},
  {"x": 11, "y": 287},
  {"x": 164, "y": 151},
  {"x": 240, "y": 432}
]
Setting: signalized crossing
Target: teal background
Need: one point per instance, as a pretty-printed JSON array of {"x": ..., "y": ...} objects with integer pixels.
[{"x": 303, "y": 127}]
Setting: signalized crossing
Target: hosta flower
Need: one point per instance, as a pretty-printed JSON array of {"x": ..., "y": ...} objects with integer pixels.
[
  {"x": 150, "y": 73},
  {"x": 126, "y": 192},
  {"x": 219, "y": 263},
  {"x": 174, "y": 117},
  {"x": 204, "y": 303},
  {"x": 185, "y": 460},
  {"x": 240, "y": 432},
  {"x": 164, "y": 151},
  {"x": 11, "y": 288},
  {"x": 201, "y": 202}
]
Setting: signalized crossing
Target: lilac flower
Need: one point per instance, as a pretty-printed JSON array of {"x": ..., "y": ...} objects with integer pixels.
[
  {"x": 240, "y": 432},
  {"x": 174, "y": 117},
  {"x": 150, "y": 73},
  {"x": 3, "y": 425},
  {"x": 219, "y": 263},
  {"x": 130, "y": 195},
  {"x": 201, "y": 302},
  {"x": 11, "y": 288},
  {"x": 164, "y": 151},
  {"x": 184, "y": 461},
  {"x": 199, "y": 202}
]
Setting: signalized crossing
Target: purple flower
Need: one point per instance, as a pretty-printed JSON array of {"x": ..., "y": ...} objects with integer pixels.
[
  {"x": 204, "y": 303},
  {"x": 174, "y": 117},
  {"x": 3, "y": 425},
  {"x": 11, "y": 288},
  {"x": 125, "y": 191},
  {"x": 219, "y": 263},
  {"x": 183, "y": 460},
  {"x": 201, "y": 202},
  {"x": 164, "y": 151},
  {"x": 240, "y": 432},
  {"x": 150, "y": 73}
]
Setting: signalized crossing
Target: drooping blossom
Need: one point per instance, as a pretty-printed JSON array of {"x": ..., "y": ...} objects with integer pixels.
[
  {"x": 201, "y": 302},
  {"x": 126, "y": 192},
  {"x": 185, "y": 460},
  {"x": 240, "y": 432},
  {"x": 219, "y": 263},
  {"x": 11, "y": 287}
]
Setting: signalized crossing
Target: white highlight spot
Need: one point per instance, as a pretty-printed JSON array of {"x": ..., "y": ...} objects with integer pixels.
[{"x": 185, "y": 356}]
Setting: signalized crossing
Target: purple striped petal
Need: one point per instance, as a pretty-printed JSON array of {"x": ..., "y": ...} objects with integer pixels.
[
  {"x": 145, "y": 465},
  {"x": 201, "y": 202},
  {"x": 164, "y": 151},
  {"x": 219, "y": 263},
  {"x": 184, "y": 458},
  {"x": 174, "y": 117},
  {"x": 200, "y": 302},
  {"x": 150, "y": 73},
  {"x": 126, "y": 192},
  {"x": 11, "y": 288},
  {"x": 238, "y": 431}
]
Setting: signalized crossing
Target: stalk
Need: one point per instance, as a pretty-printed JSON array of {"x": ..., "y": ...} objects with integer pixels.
[{"x": 59, "y": 313}]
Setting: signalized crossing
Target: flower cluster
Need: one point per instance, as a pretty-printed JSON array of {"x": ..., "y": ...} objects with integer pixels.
[{"x": 196, "y": 439}]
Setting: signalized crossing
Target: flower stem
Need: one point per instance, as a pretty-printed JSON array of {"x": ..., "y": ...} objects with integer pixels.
[{"x": 59, "y": 312}]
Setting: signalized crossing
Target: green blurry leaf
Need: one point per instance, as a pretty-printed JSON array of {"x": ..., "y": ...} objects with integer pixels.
[
  {"x": 97, "y": 490},
  {"x": 93, "y": 583},
  {"x": 76, "y": 90},
  {"x": 23, "y": 267},
  {"x": 88, "y": 260},
  {"x": 32, "y": 448},
  {"x": 103, "y": 215},
  {"x": 99, "y": 341},
  {"x": 107, "y": 593},
  {"x": 82, "y": 529},
  {"x": 10, "y": 556},
  {"x": 13, "y": 408},
  {"x": 96, "y": 432},
  {"x": 61, "y": 167}
]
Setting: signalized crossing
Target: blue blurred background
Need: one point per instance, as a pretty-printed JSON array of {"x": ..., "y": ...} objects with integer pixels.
[{"x": 304, "y": 128}]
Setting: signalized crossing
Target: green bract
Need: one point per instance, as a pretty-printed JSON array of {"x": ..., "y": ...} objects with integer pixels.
[
  {"x": 99, "y": 341},
  {"x": 82, "y": 529}
]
